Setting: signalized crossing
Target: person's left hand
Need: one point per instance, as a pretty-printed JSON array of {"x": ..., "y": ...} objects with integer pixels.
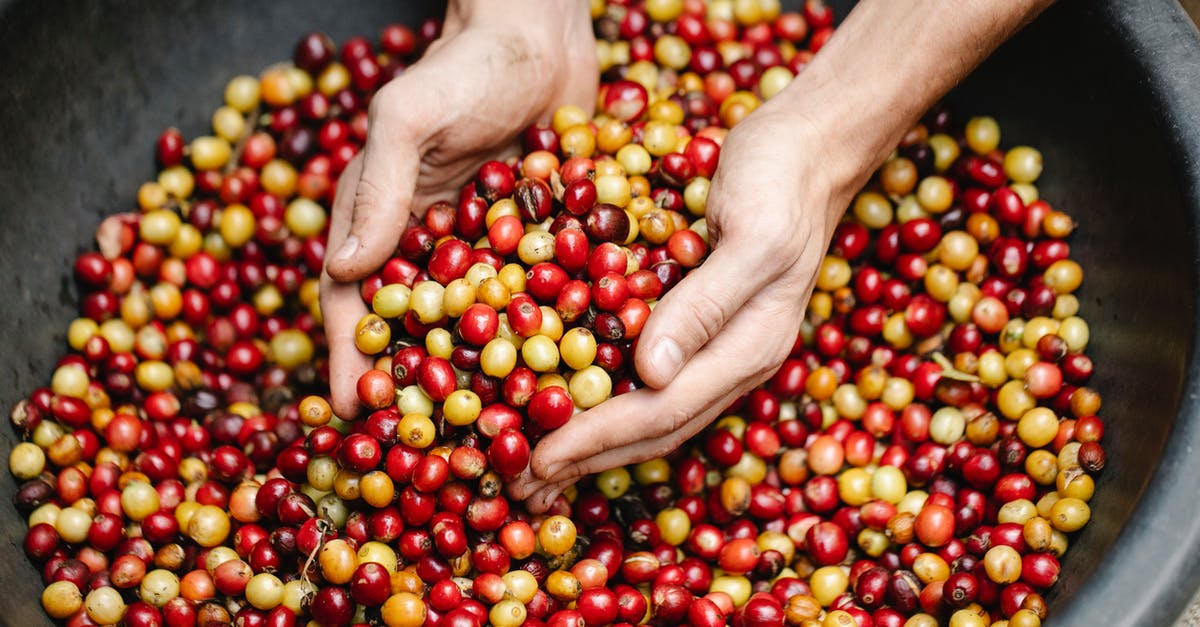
[
  {"x": 496, "y": 69},
  {"x": 731, "y": 321}
]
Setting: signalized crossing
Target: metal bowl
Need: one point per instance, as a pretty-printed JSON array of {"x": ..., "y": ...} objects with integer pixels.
[{"x": 1109, "y": 90}]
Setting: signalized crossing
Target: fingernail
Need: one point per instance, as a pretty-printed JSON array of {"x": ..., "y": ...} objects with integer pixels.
[
  {"x": 666, "y": 357},
  {"x": 348, "y": 249}
]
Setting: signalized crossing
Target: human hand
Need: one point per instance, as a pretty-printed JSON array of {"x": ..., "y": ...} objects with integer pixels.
[
  {"x": 498, "y": 68},
  {"x": 772, "y": 208},
  {"x": 787, "y": 172}
]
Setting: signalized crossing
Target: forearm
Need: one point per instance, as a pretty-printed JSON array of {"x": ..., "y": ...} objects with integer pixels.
[{"x": 889, "y": 62}]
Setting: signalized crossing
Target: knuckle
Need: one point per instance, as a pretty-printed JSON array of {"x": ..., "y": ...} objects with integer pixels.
[
  {"x": 367, "y": 200},
  {"x": 385, "y": 101},
  {"x": 348, "y": 179},
  {"x": 704, "y": 313},
  {"x": 768, "y": 365},
  {"x": 677, "y": 420},
  {"x": 765, "y": 362},
  {"x": 663, "y": 446},
  {"x": 344, "y": 192},
  {"x": 581, "y": 468},
  {"x": 541, "y": 464},
  {"x": 770, "y": 241},
  {"x": 610, "y": 439},
  {"x": 670, "y": 430},
  {"x": 666, "y": 424}
]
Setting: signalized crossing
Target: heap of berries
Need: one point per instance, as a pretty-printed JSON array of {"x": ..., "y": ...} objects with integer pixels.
[{"x": 921, "y": 458}]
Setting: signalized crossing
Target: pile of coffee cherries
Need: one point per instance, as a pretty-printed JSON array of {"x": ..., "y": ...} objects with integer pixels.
[{"x": 921, "y": 458}]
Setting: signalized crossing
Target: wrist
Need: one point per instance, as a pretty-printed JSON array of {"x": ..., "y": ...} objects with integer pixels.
[
  {"x": 886, "y": 65},
  {"x": 847, "y": 144},
  {"x": 554, "y": 34},
  {"x": 857, "y": 125},
  {"x": 536, "y": 21}
]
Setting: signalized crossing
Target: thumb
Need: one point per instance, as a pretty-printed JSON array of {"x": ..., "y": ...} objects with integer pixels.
[
  {"x": 382, "y": 197},
  {"x": 696, "y": 309}
]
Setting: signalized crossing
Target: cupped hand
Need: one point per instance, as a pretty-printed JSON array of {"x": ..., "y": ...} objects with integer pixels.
[
  {"x": 497, "y": 68},
  {"x": 774, "y": 202}
]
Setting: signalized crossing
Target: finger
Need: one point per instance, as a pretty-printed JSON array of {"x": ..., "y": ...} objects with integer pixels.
[
  {"x": 697, "y": 308},
  {"x": 343, "y": 206},
  {"x": 342, "y": 307},
  {"x": 592, "y": 432},
  {"x": 545, "y": 496},
  {"x": 384, "y": 191},
  {"x": 778, "y": 309},
  {"x": 523, "y": 485},
  {"x": 639, "y": 450},
  {"x": 538, "y": 495},
  {"x": 664, "y": 418}
]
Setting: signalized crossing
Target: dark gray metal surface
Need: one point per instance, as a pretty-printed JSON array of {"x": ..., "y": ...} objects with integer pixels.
[{"x": 1109, "y": 90}]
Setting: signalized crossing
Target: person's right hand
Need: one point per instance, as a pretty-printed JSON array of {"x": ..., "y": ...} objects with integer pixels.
[
  {"x": 730, "y": 322},
  {"x": 497, "y": 68}
]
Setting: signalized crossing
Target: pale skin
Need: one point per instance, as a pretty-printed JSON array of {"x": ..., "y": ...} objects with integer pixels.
[{"x": 786, "y": 175}]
